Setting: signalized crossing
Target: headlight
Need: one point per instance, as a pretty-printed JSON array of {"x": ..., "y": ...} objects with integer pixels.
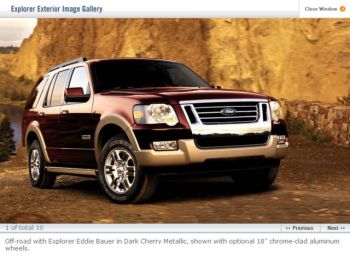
[
  {"x": 155, "y": 114},
  {"x": 276, "y": 111}
]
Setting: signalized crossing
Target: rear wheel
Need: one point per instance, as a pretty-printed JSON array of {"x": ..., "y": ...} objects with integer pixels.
[
  {"x": 120, "y": 175},
  {"x": 38, "y": 175},
  {"x": 260, "y": 179}
]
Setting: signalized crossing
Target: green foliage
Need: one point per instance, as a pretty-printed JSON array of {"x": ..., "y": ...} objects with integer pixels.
[
  {"x": 8, "y": 49},
  {"x": 17, "y": 95},
  {"x": 299, "y": 127},
  {"x": 21, "y": 78},
  {"x": 344, "y": 100},
  {"x": 13, "y": 90},
  {"x": 6, "y": 94},
  {"x": 7, "y": 144}
]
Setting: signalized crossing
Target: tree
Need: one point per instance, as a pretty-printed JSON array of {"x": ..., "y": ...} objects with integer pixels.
[
  {"x": 7, "y": 144},
  {"x": 6, "y": 94},
  {"x": 14, "y": 94},
  {"x": 22, "y": 95}
]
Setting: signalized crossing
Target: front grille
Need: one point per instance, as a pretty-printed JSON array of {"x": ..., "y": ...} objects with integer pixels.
[
  {"x": 227, "y": 112},
  {"x": 212, "y": 141}
]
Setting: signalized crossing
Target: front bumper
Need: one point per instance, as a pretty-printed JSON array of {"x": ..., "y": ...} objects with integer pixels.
[{"x": 189, "y": 153}]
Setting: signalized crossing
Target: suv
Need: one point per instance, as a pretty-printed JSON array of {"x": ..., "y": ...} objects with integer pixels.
[{"x": 127, "y": 121}]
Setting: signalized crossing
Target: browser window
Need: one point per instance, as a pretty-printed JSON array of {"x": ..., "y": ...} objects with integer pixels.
[{"x": 157, "y": 129}]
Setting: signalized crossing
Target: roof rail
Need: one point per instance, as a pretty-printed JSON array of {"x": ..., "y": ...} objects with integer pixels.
[{"x": 80, "y": 59}]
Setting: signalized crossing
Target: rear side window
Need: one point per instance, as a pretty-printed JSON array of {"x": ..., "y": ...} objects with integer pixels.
[
  {"x": 55, "y": 94},
  {"x": 35, "y": 95},
  {"x": 80, "y": 79},
  {"x": 49, "y": 91}
]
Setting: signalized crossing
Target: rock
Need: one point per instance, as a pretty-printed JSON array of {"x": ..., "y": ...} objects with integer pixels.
[{"x": 293, "y": 58}]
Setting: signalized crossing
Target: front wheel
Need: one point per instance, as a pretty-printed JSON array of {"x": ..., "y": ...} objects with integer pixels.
[
  {"x": 120, "y": 175},
  {"x": 260, "y": 179}
]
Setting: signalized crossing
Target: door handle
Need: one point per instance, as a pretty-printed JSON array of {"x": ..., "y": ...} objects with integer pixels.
[
  {"x": 41, "y": 114},
  {"x": 64, "y": 112}
]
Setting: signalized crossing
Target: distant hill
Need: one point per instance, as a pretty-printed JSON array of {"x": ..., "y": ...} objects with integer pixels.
[
  {"x": 291, "y": 58},
  {"x": 8, "y": 49}
]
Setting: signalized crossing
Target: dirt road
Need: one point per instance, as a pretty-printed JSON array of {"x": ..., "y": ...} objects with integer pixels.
[{"x": 313, "y": 186}]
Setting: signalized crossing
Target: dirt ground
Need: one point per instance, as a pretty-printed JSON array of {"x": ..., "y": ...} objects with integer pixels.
[{"x": 313, "y": 186}]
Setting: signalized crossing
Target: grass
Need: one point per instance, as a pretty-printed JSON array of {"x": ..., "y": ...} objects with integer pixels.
[
  {"x": 14, "y": 90},
  {"x": 299, "y": 127}
]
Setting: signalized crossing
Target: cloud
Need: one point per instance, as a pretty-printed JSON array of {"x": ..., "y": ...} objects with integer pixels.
[{"x": 13, "y": 31}]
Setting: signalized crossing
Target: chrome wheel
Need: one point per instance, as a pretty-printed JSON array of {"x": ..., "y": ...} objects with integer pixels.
[
  {"x": 119, "y": 170},
  {"x": 35, "y": 164}
]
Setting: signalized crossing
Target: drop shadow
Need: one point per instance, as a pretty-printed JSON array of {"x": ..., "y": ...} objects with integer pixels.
[
  {"x": 87, "y": 186},
  {"x": 172, "y": 190},
  {"x": 176, "y": 190}
]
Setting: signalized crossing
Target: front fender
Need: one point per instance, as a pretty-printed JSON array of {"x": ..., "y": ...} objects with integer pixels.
[{"x": 120, "y": 122}]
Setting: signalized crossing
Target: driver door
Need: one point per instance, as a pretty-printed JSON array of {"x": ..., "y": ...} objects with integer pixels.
[{"x": 78, "y": 123}]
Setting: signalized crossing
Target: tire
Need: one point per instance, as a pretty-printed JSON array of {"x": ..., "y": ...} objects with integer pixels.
[
  {"x": 38, "y": 175},
  {"x": 257, "y": 180},
  {"x": 120, "y": 176}
]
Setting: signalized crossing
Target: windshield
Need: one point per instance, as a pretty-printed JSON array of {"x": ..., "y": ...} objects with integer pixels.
[{"x": 124, "y": 74}]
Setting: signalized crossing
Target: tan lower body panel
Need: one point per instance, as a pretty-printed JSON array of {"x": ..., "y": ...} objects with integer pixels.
[
  {"x": 189, "y": 153},
  {"x": 74, "y": 171}
]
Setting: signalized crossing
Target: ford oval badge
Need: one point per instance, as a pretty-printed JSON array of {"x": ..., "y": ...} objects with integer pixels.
[{"x": 228, "y": 111}]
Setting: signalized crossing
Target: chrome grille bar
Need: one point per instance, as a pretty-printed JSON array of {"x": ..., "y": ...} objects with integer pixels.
[
  {"x": 206, "y": 118},
  {"x": 212, "y": 113},
  {"x": 217, "y": 112}
]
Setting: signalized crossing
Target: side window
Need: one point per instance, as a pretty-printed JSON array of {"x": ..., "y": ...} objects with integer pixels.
[
  {"x": 49, "y": 90},
  {"x": 36, "y": 93},
  {"x": 55, "y": 97},
  {"x": 80, "y": 79}
]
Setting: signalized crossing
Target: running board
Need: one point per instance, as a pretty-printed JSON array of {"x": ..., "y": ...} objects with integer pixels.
[{"x": 74, "y": 171}]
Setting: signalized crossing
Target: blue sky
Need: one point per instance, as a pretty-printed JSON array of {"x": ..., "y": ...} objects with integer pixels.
[{"x": 14, "y": 30}]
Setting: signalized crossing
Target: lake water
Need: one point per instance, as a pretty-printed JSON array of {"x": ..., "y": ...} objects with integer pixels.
[{"x": 14, "y": 114}]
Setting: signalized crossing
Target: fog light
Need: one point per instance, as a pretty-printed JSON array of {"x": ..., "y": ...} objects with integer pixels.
[
  {"x": 281, "y": 139},
  {"x": 165, "y": 146}
]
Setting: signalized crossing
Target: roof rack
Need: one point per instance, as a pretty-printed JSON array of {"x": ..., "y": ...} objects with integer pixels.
[{"x": 80, "y": 59}]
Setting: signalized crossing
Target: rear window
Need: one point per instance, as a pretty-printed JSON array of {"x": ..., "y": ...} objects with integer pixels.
[{"x": 36, "y": 93}]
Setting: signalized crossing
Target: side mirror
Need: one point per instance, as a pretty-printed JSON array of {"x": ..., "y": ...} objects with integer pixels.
[{"x": 75, "y": 95}]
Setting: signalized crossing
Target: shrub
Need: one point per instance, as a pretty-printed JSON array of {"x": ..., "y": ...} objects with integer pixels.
[
  {"x": 344, "y": 100},
  {"x": 299, "y": 127},
  {"x": 17, "y": 95},
  {"x": 14, "y": 94},
  {"x": 21, "y": 78},
  {"x": 6, "y": 94},
  {"x": 7, "y": 144}
]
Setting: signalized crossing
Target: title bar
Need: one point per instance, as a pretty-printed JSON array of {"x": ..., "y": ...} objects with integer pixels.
[
  {"x": 148, "y": 8},
  {"x": 174, "y": 9}
]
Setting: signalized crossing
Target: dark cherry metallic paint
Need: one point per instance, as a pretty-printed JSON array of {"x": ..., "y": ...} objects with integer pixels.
[{"x": 63, "y": 126}]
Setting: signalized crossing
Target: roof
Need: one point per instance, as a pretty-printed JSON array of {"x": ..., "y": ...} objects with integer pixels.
[
  {"x": 83, "y": 59},
  {"x": 127, "y": 58}
]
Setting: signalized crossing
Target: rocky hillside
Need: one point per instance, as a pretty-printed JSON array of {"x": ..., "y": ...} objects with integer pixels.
[{"x": 290, "y": 58}]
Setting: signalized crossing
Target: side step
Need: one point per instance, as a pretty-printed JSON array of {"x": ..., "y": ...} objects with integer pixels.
[{"x": 72, "y": 171}]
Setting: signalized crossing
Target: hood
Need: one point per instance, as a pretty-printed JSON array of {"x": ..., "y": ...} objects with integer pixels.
[{"x": 176, "y": 94}]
